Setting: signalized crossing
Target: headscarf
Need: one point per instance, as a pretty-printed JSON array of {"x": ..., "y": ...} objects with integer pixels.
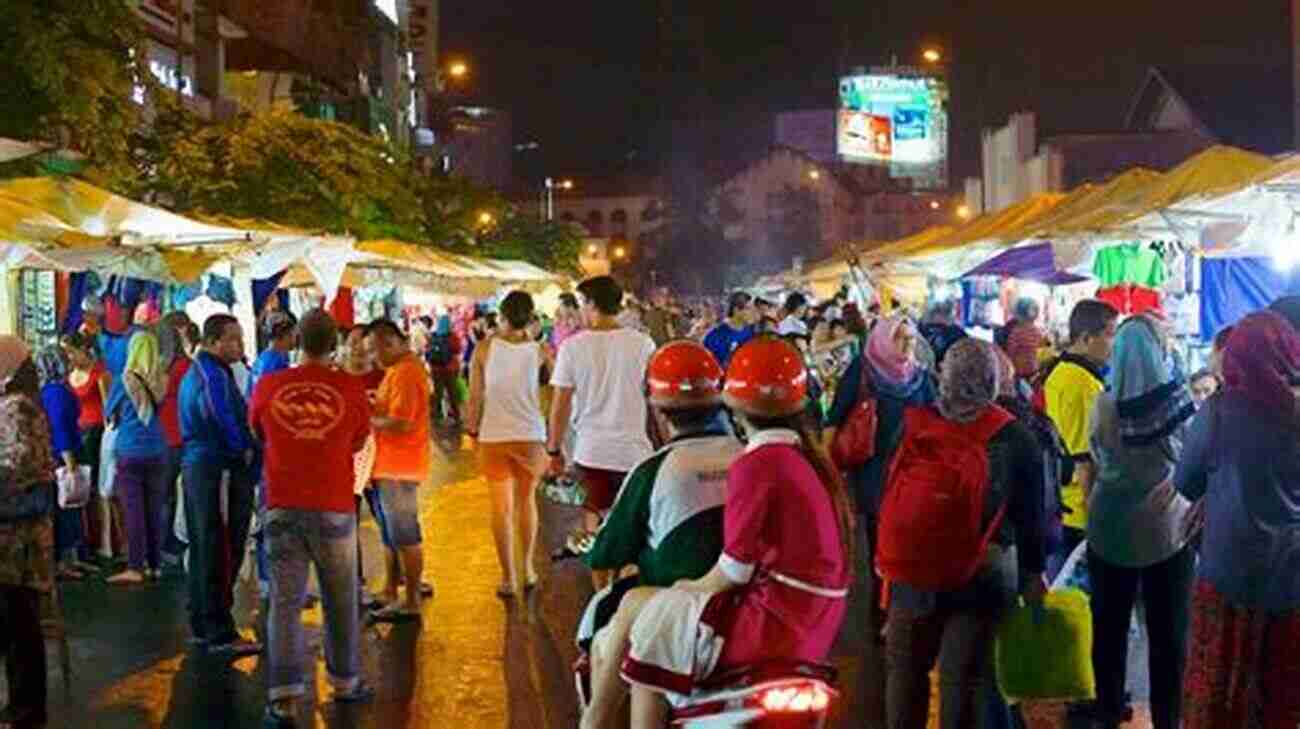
[
  {"x": 13, "y": 352},
  {"x": 51, "y": 364},
  {"x": 1289, "y": 308},
  {"x": 969, "y": 381},
  {"x": 144, "y": 377},
  {"x": 892, "y": 367},
  {"x": 1007, "y": 381},
  {"x": 1151, "y": 398},
  {"x": 1261, "y": 359}
]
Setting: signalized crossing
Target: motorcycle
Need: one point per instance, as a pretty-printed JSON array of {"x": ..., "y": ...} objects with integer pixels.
[{"x": 769, "y": 695}]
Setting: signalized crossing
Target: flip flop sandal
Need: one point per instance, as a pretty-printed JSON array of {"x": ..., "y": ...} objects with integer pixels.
[{"x": 394, "y": 614}]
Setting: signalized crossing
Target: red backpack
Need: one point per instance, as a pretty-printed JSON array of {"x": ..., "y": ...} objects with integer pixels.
[{"x": 932, "y": 533}]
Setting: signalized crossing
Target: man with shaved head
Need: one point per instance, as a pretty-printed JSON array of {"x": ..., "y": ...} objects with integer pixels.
[{"x": 311, "y": 419}]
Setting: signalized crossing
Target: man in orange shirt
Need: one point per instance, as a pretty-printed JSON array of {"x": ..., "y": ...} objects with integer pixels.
[{"x": 403, "y": 460}]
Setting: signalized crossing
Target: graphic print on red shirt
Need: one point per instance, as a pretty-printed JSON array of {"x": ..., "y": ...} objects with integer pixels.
[{"x": 311, "y": 420}]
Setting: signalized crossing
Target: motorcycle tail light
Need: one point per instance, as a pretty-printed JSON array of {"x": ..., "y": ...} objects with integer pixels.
[{"x": 798, "y": 699}]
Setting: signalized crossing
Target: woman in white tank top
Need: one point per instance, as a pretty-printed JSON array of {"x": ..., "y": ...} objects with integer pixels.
[{"x": 505, "y": 417}]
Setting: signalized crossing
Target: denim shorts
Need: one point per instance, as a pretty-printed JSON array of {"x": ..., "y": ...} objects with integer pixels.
[{"x": 401, "y": 502}]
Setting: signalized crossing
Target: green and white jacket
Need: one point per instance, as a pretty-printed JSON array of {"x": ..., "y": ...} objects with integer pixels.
[{"x": 667, "y": 519}]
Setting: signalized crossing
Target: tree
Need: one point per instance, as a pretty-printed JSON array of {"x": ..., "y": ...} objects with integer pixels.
[{"x": 71, "y": 70}]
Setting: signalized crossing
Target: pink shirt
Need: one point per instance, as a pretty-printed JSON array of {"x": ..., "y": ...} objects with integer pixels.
[{"x": 782, "y": 539}]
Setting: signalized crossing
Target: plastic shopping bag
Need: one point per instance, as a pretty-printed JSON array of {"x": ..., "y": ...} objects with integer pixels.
[
  {"x": 1047, "y": 656},
  {"x": 74, "y": 486},
  {"x": 107, "y": 463},
  {"x": 1074, "y": 573}
]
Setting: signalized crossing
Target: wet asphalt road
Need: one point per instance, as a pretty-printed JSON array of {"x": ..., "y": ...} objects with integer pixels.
[{"x": 475, "y": 661}]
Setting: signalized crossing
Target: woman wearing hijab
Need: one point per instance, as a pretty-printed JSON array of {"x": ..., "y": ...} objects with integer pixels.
[
  {"x": 141, "y": 451},
  {"x": 1137, "y": 540},
  {"x": 1240, "y": 457},
  {"x": 444, "y": 367},
  {"x": 964, "y": 620},
  {"x": 26, "y": 533},
  {"x": 896, "y": 380},
  {"x": 62, "y": 412}
]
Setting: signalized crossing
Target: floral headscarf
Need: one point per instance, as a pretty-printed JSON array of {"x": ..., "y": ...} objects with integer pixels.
[
  {"x": 145, "y": 379},
  {"x": 51, "y": 364},
  {"x": 1261, "y": 360},
  {"x": 968, "y": 382},
  {"x": 13, "y": 352}
]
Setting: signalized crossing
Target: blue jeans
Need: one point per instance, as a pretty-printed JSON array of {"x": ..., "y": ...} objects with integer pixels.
[{"x": 295, "y": 540}]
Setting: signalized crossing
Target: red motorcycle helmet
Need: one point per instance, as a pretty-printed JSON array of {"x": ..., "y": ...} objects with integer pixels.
[
  {"x": 766, "y": 379},
  {"x": 683, "y": 375}
]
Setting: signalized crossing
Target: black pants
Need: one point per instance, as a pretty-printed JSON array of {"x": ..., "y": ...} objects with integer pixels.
[
  {"x": 24, "y": 647},
  {"x": 872, "y": 683},
  {"x": 1166, "y": 595},
  {"x": 444, "y": 388},
  {"x": 216, "y": 549}
]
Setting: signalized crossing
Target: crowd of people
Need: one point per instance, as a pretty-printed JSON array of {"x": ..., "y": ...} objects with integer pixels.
[{"x": 762, "y": 462}]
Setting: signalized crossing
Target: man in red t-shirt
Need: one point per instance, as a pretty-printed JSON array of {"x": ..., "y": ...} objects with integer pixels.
[{"x": 311, "y": 420}]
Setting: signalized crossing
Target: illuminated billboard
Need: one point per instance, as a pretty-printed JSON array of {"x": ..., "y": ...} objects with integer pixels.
[{"x": 898, "y": 120}]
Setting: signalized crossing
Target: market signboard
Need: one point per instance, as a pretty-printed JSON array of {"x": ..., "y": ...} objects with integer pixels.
[
  {"x": 897, "y": 120},
  {"x": 420, "y": 30}
]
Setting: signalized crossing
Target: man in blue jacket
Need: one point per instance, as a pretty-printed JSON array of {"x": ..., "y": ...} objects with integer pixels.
[
  {"x": 735, "y": 330},
  {"x": 218, "y": 455}
]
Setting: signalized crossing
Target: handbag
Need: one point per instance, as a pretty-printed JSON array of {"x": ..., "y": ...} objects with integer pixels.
[
  {"x": 855, "y": 440},
  {"x": 74, "y": 486}
]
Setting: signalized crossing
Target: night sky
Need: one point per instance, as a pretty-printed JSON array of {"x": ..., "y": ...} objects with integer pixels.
[{"x": 590, "y": 79}]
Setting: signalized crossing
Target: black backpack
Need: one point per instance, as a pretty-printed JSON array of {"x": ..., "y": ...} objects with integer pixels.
[
  {"x": 439, "y": 354},
  {"x": 1057, "y": 462}
]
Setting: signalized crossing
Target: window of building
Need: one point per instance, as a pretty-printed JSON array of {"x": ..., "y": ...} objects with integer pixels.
[
  {"x": 618, "y": 223},
  {"x": 596, "y": 223},
  {"x": 567, "y": 217}
]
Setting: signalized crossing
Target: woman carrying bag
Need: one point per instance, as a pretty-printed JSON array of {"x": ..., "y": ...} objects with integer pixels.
[{"x": 26, "y": 534}]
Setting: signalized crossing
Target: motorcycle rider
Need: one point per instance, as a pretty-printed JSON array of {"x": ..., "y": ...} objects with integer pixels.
[
  {"x": 667, "y": 519},
  {"x": 778, "y": 591}
]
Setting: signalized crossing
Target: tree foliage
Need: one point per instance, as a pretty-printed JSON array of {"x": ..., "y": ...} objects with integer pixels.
[{"x": 70, "y": 69}]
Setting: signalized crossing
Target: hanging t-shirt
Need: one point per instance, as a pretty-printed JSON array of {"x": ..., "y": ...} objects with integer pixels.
[
  {"x": 1131, "y": 299},
  {"x": 1129, "y": 263}
]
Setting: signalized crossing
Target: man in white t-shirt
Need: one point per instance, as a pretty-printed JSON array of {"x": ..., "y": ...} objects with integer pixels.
[
  {"x": 599, "y": 383},
  {"x": 796, "y": 306}
]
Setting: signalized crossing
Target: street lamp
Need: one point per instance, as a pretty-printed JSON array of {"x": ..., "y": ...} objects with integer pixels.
[
  {"x": 932, "y": 55},
  {"x": 458, "y": 70},
  {"x": 485, "y": 218},
  {"x": 592, "y": 250},
  {"x": 934, "y": 204},
  {"x": 548, "y": 196},
  {"x": 814, "y": 175},
  {"x": 963, "y": 212},
  {"x": 619, "y": 252}
]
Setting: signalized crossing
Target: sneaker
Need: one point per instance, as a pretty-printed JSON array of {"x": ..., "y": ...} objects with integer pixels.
[
  {"x": 235, "y": 648},
  {"x": 279, "y": 715},
  {"x": 362, "y": 693}
]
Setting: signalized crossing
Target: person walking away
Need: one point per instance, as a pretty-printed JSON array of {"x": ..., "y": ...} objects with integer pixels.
[
  {"x": 507, "y": 423},
  {"x": 733, "y": 332},
  {"x": 953, "y": 568},
  {"x": 793, "y": 312},
  {"x": 1137, "y": 540},
  {"x": 787, "y": 551},
  {"x": 27, "y": 496},
  {"x": 311, "y": 420},
  {"x": 218, "y": 457},
  {"x": 1024, "y": 338},
  {"x": 176, "y": 360},
  {"x": 280, "y": 333},
  {"x": 667, "y": 520},
  {"x": 568, "y": 320},
  {"x": 1069, "y": 389},
  {"x": 443, "y": 356},
  {"x": 598, "y": 381},
  {"x": 940, "y": 330},
  {"x": 91, "y": 383},
  {"x": 403, "y": 461},
  {"x": 140, "y": 451},
  {"x": 895, "y": 380},
  {"x": 1240, "y": 458},
  {"x": 61, "y": 413}
]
